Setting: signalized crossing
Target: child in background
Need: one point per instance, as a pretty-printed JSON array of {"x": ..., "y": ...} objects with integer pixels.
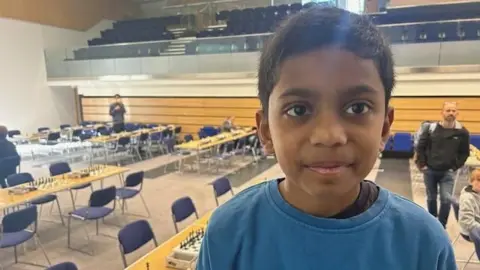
[
  {"x": 325, "y": 82},
  {"x": 469, "y": 215}
]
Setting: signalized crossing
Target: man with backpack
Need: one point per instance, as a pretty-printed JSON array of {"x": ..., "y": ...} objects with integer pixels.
[{"x": 442, "y": 148}]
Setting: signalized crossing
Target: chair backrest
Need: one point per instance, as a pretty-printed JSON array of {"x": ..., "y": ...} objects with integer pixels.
[
  {"x": 63, "y": 266},
  {"x": 19, "y": 179},
  {"x": 188, "y": 137},
  {"x": 19, "y": 220},
  {"x": 123, "y": 141},
  {"x": 135, "y": 235},
  {"x": 43, "y": 129},
  {"x": 53, "y": 136},
  {"x": 77, "y": 132},
  {"x": 134, "y": 179},
  {"x": 64, "y": 126},
  {"x": 12, "y": 133},
  {"x": 59, "y": 168},
  {"x": 102, "y": 197},
  {"x": 475, "y": 140},
  {"x": 182, "y": 208},
  {"x": 143, "y": 137},
  {"x": 455, "y": 206},
  {"x": 221, "y": 186}
]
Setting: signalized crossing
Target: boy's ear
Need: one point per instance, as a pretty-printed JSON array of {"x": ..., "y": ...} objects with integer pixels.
[
  {"x": 387, "y": 124},
  {"x": 263, "y": 131}
]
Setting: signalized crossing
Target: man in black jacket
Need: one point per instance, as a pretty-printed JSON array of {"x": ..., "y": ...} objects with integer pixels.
[
  {"x": 7, "y": 151},
  {"x": 117, "y": 111},
  {"x": 442, "y": 149}
]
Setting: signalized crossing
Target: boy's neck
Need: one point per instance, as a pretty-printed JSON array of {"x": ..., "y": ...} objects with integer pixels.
[{"x": 325, "y": 206}]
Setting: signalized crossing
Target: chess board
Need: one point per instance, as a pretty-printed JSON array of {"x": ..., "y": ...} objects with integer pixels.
[
  {"x": 90, "y": 171},
  {"x": 184, "y": 256}
]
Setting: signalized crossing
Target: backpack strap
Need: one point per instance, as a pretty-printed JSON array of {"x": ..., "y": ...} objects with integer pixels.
[{"x": 432, "y": 127}]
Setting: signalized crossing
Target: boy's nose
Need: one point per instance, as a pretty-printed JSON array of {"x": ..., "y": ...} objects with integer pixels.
[{"x": 328, "y": 132}]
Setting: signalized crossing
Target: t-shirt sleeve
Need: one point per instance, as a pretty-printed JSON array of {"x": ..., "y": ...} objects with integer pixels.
[
  {"x": 446, "y": 260},
  {"x": 215, "y": 254}
]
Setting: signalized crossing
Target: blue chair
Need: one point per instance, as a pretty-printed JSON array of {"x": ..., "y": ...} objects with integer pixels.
[
  {"x": 25, "y": 178},
  {"x": 402, "y": 142},
  {"x": 8, "y": 166},
  {"x": 133, "y": 236},
  {"x": 182, "y": 209},
  {"x": 17, "y": 228},
  {"x": 220, "y": 187},
  {"x": 97, "y": 209},
  {"x": 475, "y": 141},
  {"x": 63, "y": 168},
  {"x": 65, "y": 126},
  {"x": 188, "y": 138},
  {"x": 13, "y": 133},
  {"x": 129, "y": 190},
  {"x": 63, "y": 266}
]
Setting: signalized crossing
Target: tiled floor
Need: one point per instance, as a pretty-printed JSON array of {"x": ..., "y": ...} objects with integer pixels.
[{"x": 161, "y": 191}]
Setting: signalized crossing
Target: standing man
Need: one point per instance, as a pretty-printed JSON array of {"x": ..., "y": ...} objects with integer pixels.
[
  {"x": 117, "y": 111},
  {"x": 442, "y": 149}
]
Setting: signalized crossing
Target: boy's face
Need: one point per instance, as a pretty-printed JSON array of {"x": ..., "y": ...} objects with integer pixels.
[
  {"x": 326, "y": 121},
  {"x": 475, "y": 180}
]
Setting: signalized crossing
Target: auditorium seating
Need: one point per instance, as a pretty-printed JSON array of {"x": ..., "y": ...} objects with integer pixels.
[
  {"x": 248, "y": 29},
  {"x": 139, "y": 30}
]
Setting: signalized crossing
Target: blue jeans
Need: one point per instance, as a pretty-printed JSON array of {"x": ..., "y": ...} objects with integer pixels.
[{"x": 444, "y": 180}]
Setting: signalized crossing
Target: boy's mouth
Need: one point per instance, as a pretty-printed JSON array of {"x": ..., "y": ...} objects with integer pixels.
[{"x": 328, "y": 168}]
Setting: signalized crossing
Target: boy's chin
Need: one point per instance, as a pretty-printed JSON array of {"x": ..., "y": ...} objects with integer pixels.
[{"x": 330, "y": 187}]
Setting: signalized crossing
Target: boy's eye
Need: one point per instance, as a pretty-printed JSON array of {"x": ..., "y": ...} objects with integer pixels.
[
  {"x": 298, "y": 110},
  {"x": 358, "y": 108}
]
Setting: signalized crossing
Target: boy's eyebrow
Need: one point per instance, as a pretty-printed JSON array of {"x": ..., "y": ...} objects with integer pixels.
[
  {"x": 360, "y": 89},
  {"x": 308, "y": 93},
  {"x": 298, "y": 92}
]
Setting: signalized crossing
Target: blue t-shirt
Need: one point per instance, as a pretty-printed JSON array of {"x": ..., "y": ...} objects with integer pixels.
[{"x": 258, "y": 229}]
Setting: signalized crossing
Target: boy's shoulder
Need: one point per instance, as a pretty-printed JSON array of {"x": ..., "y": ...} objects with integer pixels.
[{"x": 416, "y": 219}]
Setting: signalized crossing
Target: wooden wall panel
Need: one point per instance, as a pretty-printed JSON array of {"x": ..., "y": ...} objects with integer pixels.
[
  {"x": 193, "y": 113},
  {"x": 190, "y": 113},
  {"x": 70, "y": 14}
]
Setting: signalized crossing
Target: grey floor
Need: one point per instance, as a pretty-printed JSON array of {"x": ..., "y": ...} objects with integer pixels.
[{"x": 161, "y": 189}]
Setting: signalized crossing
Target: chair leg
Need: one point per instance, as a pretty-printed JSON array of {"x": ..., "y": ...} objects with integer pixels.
[
  {"x": 123, "y": 206},
  {"x": 43, "y": 250},
  {"x": 59, "y": 211},
  {"x": 91, "y": 188},
  {"x": 96, "y": 226},
  {"x": 145, "y": 204},
  {"x": 15, "y": 254},
  {"x": 68, "y": 230},
  {"x": 73, "y": 200}
]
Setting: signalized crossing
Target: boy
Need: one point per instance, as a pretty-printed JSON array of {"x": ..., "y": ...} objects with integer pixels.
[
  {"x": 325, "y": 80},
  {"x": 469, "y": 215}
]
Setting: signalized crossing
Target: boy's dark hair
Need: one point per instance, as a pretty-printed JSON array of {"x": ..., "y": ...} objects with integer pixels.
[
  {"x": 117, "y": 96},
  {"x": 319, "y": 27}
]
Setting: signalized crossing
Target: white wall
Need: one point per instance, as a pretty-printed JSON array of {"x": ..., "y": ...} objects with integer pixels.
[{"x": 26, "y": 101}]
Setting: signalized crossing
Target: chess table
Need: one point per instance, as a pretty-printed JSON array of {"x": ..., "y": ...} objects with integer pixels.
[
  {"x": 213, "y": 142},
  {"x": 157, "y": 258},
  {"x": 18, "y": 195}
]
